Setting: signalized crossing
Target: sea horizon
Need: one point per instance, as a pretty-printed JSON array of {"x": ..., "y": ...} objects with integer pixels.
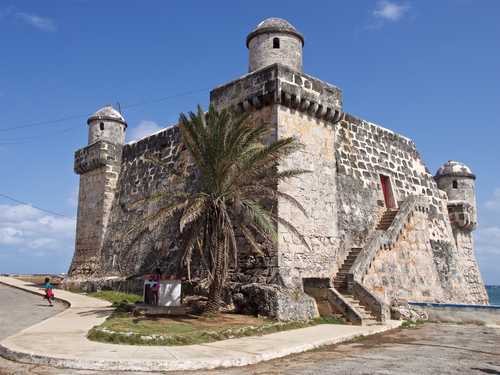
[{"x": 493, "y": 294}]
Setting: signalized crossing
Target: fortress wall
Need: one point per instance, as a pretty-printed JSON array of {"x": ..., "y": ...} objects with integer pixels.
[
  {"x": 475, "y": 292},
  {"x": 251, "y": 267},
  {"x": 407, "y": 272},
  {"x": 365, "y": 151},
  {"x": 89, "y": 228},
  {"x": 142, "y": 252},
  {"x": 425, "y": 265},
  {"x": 316, "y": 191}
]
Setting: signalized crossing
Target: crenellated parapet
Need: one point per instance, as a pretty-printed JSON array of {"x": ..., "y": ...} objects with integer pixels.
[
  {"x": 96, "y": 155},
  {"x": 280, "y": 84},
  {"x": 462, "y": 215}
]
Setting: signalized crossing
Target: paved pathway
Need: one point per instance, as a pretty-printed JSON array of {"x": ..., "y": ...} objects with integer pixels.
[
  {"x": 60, "y": 341},
  {"x": 15, "y": 303}
]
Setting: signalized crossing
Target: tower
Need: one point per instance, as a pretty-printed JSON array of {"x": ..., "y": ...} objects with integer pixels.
[
  {"x": 275, "y": 41},
  {"x": 98, "y": 165},
  {"x": 107, "y": 125},
  {"x": 277, "y": 92},
  {"x": 457, "y": 181}
]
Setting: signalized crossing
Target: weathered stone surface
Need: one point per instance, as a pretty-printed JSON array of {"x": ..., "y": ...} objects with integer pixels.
[
  {"x": 404, "y": 313},
  {"x": 356, "y": 172}
]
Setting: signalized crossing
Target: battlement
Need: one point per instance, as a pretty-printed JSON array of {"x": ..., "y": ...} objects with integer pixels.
[
  {"x": 280, "y": 84},
  {"x": 96, "y": 155}
]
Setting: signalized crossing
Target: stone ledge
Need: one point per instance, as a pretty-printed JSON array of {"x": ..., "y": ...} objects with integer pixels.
[
  {"x": 96, "y": 155},
  {"x": 279, "y": 84}
]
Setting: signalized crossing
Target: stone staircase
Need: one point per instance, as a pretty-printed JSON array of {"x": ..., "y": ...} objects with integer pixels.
[
  {"x": 387, "y": 219},
  {"x": 369, "y": 319},
  {"x": 340, "y": 281}
]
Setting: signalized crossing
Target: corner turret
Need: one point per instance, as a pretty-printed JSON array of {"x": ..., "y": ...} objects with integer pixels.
[
  {"x": 99, "y": 166},
  {"x": 275, "y": 41},
  {"x": 457, "y": 181},
  {"x": 107, "y": 125}
]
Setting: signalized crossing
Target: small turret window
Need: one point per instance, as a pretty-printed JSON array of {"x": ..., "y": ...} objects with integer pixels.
[
  {"x": 455, "y": 184},
  {"x": 276, "y": 43},
  {"x": 101, "y": 126}
]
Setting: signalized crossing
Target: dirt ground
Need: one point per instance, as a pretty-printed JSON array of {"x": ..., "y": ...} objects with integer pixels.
[
  {"x": 425, "y": 349},
  {"x": 39, "y": 279},
  {"x": 223, "y": 320}
]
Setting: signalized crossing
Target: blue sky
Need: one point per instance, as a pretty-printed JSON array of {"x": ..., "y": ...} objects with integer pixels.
[{"x": 425, "y": 69}]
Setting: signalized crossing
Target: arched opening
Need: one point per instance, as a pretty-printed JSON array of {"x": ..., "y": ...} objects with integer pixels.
[
  {"x": 101, "y": 126},
  {"x": 276, "y": 43},
  {"x": 455, "y": 184}
]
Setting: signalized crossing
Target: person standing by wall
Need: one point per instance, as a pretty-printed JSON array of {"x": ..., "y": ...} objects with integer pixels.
[{"x": 155, "y": 287}]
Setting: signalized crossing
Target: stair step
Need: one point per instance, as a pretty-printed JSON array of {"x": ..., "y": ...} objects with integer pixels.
[{"x": 386, "y": 220}]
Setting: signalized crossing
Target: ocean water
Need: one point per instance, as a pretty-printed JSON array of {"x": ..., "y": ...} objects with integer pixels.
[{"x": 494, "y": 294}]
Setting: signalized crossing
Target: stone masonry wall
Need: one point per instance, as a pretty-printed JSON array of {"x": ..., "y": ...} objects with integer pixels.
[
  {"x": 342, "y": 195},
  {"x": 316, "y": 191},
  {"x": 475, "y": 292},
  {"x": 407, "y": 272},
  {"x": 364, "y": 151},
  {"x": 99, "y": 167},
  {"x": 141, "y": 252},
  {"x": 89, "y": 229}
]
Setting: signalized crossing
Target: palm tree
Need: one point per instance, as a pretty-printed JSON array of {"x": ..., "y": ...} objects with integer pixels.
[{"x": 237, "y": 169}]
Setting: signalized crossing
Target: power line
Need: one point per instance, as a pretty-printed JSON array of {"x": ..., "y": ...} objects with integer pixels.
[
  {"x": 12, "y": 141},
  {"x": 38, "y": 208},
  {"x": 46, "y": 122},
  {"x": 90, "y": 114},
  {"x": 169, "y": 97}
]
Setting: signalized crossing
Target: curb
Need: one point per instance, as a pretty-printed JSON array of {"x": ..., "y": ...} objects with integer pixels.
[{"x": 173, "y": 365}]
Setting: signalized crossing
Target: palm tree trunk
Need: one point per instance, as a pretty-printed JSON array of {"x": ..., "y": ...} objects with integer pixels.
[{"x": 213, "y": 303}]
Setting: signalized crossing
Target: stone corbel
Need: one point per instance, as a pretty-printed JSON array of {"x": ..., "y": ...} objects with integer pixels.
[{"x": 312, "y": 109}]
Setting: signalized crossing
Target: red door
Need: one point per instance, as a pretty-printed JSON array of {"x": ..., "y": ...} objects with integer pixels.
[{"x": 386, "y": 189}]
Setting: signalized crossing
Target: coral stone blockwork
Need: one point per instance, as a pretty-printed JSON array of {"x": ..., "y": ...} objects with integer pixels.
[{"x": 381, "y": 230}]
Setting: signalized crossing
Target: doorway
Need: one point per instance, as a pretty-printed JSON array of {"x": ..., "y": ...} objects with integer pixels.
[{"x": 390, "y": 202}]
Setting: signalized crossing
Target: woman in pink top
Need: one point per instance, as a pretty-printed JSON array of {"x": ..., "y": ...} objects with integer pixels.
[{"x": 155, "y": 287}]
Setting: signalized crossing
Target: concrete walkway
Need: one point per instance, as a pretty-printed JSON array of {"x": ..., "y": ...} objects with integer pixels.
[{"x": 61, "y": 341}]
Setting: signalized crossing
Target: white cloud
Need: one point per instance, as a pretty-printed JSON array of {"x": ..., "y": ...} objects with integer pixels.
[
  {"x": 34, "y": 241},
  {"x": 494, "y": 203},
  {"x": 18, "y": 214},
  {"x": 487, "y": 241},
  {"x": 10, "y": 236},
  {"x": 72, "y": 198},
  {"x": 390, "y": 11},
  {"x": 487, "y": 238},
  {"x": 144, "y": 129},
  {"x": 44, "y": 243},
  {"x": 41, "y": 23}
]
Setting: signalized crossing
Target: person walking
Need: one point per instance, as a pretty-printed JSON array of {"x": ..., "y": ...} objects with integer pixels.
[{"x": 49, "y": 294}]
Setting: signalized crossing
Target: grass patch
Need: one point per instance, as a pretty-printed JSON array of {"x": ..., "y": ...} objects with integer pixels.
[
  {"x": 124, "y": 328},
  {"x": 116, "y": 297},
  {"x": 78, "y": 291}
]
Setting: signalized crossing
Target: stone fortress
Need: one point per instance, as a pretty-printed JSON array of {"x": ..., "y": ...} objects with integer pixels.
[{"x": 382, "y": 230}]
